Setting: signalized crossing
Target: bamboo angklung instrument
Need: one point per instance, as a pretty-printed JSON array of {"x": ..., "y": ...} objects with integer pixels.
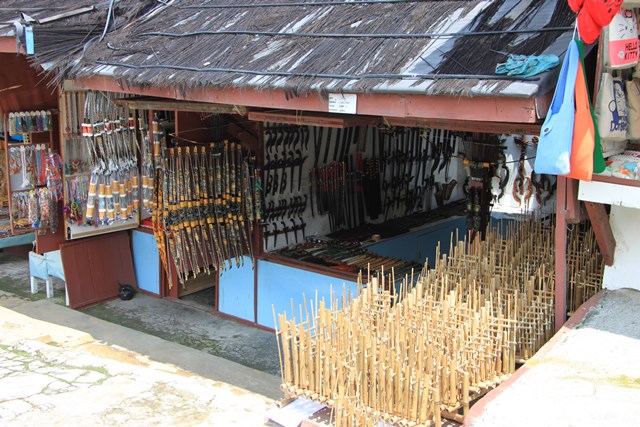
[
  {"x": 206, "y": 196},
  {"x": 427, "y": 351}
]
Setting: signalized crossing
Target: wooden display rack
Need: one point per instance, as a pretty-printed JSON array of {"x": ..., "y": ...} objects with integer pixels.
[
  {"x": 71, "y": 111},
  {"x": 31, "y": 139}
]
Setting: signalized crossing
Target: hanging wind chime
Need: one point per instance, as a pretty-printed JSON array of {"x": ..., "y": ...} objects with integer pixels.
[{"x": 113, "y": 183}]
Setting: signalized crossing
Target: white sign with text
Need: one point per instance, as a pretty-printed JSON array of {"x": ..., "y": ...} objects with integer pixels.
[{"x": 342, "y": 103}]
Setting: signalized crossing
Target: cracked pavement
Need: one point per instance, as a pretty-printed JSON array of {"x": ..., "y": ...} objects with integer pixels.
[{"x": 53, "y": 375}]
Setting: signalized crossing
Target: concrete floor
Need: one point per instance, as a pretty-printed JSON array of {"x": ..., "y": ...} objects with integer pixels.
[
  {"x": 195, "y": 328},
  {"x": 587, "y": 375},
  {"x": 192, "y": 330},
  {"x": 57, "y": 376}
]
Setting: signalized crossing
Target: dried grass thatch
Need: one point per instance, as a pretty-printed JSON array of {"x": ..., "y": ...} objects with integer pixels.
[
  {"x": 69, "y": 27},
  {"x": 140, "y": 56}
]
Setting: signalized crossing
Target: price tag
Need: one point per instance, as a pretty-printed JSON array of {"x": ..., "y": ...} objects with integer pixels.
[{"x": 342, "y": 103}]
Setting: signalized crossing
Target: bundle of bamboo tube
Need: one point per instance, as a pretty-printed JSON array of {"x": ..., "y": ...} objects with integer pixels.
[
  {"x": 402, "y": 360},
  {"x": 413, "y": 355},
  {"x": 517, "y": 261},
  {"x": 585, "y": 267}
]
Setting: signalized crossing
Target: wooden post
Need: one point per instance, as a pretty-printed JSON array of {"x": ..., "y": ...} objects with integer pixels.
[
  {"x": 602, "y": 229},
  {"x": 561, "y": 253},
  {"x": 575, "y": 214}
]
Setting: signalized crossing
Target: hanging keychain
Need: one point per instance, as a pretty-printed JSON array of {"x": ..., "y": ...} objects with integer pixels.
[
  {"x": 15, "y": 163},
  {"x": 44, "y": 199},
  {"x": 33, "y": 209},
  {"x": 54, "y": 174},
  {"x": 12, "y": 124},
  {"x": 25, "y": 173}
]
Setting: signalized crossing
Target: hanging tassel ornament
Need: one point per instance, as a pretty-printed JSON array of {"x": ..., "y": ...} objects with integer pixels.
[
  {"x": 54, "y": 174},
  {"x": 15, "y": 161},
  {"x": 34, "y": 209},
  {"x": 44, "y": 202},
  {"x": 26, "y": 181}
]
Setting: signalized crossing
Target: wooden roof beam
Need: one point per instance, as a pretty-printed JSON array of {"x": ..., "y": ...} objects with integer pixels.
[
  {"x": 602, "y": 229},
  {"x": 418, "y": 106},
  {"x": 313, "y": 119},
  {"x": 469, "y": 126},
  {"x": 145, "y": 103},
  {"x": 8, "y": 44}
]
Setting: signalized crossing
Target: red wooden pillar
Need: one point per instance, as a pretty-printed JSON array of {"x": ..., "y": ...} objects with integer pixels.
[
  {"x": 602, "y": 229},
  {"x": 561, "y": 253}
]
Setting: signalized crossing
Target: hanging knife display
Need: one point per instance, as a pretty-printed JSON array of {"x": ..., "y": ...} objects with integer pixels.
[
  {"x": 358, "y": 175},
  {"x": 285, "y": 196}
]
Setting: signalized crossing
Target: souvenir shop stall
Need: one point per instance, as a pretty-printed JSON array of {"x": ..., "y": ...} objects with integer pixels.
[
  {"x": 179, "y": 175},
  {"x": 378, "y": 198},
  {"x": 253, "y": 209},
  {"x": 611, "y": 196},
  {"x": 269, "y": 180},
  {"x": 30, "y": 167}
]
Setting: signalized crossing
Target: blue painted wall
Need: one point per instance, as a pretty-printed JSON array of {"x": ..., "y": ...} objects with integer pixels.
[
  {"x": 279, "y": 284},
  {"x": 236, "y": 294},
  {"x": 421, "y": 244},
  {"x": 146, "y": 261},
  {"x": 20, "y": 239}
]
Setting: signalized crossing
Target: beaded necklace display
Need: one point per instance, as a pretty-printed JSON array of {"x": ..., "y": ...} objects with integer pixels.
[
  {"x": 33, "y": 209},
  {"x": 40, "y": 155},
  {"x": 77, "y": 189},
  {"x": 41, "y": 211},
  {"x": 27, "y": 166}
]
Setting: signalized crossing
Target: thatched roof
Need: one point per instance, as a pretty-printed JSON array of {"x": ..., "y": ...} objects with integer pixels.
[
  {"x": 319, "y": 45},
  {"x": 65, "y": 29}
]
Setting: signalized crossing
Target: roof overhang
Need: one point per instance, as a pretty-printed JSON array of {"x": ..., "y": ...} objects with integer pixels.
[
  {"x": 477, "y": 109},
  {"x": 8, "y": 44},
  {"x": 146, "y": 103}
]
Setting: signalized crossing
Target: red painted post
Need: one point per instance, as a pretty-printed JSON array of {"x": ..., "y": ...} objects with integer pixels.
[
  {"x": 561, "y": 254},
  {"x": 602, "y": 229}
]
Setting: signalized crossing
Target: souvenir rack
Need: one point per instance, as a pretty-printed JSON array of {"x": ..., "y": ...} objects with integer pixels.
[{"x": 28, "y": 140}]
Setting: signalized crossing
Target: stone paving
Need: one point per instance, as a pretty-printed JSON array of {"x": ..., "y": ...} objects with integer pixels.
[
  {"x": 50, "y": 375},
  {"x": 162, "y": 318},
  {"x": 194, "y": 328}
]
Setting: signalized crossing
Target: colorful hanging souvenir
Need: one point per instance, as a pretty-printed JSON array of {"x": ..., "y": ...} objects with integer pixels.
[
  {"x": 583, "y": 131},
  {"x": 621, "y": 41},
  {"x": 53, "y": 174},
  {"x": 593, "y": 15},
  {"x": 554, "y": 146}
]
